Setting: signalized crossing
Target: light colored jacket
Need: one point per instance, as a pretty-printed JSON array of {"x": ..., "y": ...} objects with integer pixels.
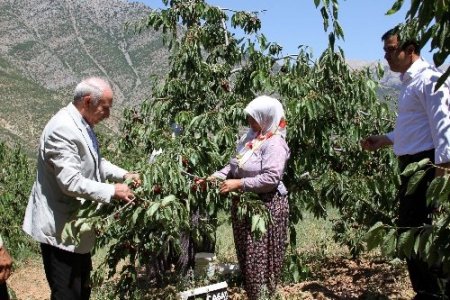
[{"x": 69, "y": 171}]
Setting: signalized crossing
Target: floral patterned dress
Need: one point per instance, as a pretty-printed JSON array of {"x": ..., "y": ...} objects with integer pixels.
[{"x": 261, "y": 260}]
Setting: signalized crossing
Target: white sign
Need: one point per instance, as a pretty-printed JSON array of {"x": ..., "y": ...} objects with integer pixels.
[{"x": 216, "y": 291}]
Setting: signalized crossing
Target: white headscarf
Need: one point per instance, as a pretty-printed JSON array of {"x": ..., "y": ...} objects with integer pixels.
[{"x": 269, "y": 114}]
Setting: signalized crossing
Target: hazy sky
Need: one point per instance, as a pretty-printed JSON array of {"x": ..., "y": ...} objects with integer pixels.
[{"x": 297, "y": 22}]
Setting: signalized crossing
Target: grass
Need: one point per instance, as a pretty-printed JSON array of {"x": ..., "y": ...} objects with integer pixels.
[{"x": 314, "y": 236}]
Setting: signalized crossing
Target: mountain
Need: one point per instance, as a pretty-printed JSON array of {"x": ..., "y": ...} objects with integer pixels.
[
  {"x": 48, "y": 46},
  {"x": 389, "y": 84}
]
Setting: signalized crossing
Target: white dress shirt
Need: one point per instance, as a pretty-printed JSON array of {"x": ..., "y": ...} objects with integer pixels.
[{"x": 423, "y": 120}]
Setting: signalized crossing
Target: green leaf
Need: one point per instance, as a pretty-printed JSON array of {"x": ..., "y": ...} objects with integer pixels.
[
  {"x": 406, "y": 242},
  {"x": 443, "y": 78},
  {"x": 375, "y": 235},
  {"x": 79, "y": 222},
  {"x": 445, "y": 192},
  {"x": 152, "y": 209},
  {"x": 435, "y": 189},
  {"x": 167, "y": 200},
  {"x": 422, "y": 240},
  {"x": 262, "y": 227},
  {"x": 67, "y": 235},
  {"x": 85, "y": 228},
  {"x": 167, "y": 213},
  {"x": 136, "y": 214},
  {"x": 128, "y": 181},
  {"x": 414, "y": 182},
  {"x": 413, "y": 9},
  {"x": 371, "y": 84},
  {"x": 395, "y": 8},
  {"x": 255, "y": 220},
  {"x": 414, "y": 167},
  {"x": 388, "y": 245}
]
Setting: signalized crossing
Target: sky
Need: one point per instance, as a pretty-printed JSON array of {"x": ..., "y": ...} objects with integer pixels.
[{"x": 291, "y": 23}]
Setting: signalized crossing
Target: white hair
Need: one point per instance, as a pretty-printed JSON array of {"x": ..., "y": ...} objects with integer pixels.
[{"x": 93, "y": 86}]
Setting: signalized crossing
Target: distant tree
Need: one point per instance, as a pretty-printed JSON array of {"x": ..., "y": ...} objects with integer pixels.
[{"x": 16, "y": 175}]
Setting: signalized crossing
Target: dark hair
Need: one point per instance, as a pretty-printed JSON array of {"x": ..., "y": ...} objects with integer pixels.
[{"x": 404, "y": 40}]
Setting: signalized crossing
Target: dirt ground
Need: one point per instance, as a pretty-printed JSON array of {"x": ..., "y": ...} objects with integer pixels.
[
  {"x": 29, "y": 282},
  {"x": 337, "y": 278}
]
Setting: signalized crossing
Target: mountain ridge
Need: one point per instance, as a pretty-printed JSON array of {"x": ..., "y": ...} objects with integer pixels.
[{"x": 50, "y": 46}]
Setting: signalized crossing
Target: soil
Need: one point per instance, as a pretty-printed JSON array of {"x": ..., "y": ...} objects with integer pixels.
[
  {"x": 29, "y": 282},
  {"x": 336, "y": 278}
]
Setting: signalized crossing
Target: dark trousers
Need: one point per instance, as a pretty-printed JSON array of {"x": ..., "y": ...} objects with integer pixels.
[
  {"x": 67, "y": 273},
  {"x": 4, "y": 291},
  {"x": 428, "y": 282}
]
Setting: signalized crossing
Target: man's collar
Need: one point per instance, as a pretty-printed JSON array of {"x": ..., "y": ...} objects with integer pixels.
[
  {"x": 414, "y": 69},
  {"x": 77, "y": 113}
]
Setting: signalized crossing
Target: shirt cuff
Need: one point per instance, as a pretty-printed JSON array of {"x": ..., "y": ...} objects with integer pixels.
[
  {"x": 1, "y": 242},
  {"x": 219, "y": 175},
  {"x": 111, "y": 191},
  {"x": 390, "y": 136},
  {"x": 243, "y": 185}
]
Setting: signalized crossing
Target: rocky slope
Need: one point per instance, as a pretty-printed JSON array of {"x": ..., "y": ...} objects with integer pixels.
[{"x": 47, "y": 46}]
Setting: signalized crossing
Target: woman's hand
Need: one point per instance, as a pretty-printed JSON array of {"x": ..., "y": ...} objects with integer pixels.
[{"x": 230, "y": 185}]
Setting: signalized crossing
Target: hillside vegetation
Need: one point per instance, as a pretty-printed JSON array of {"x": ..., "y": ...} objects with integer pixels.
[{"x": 46, "y": 47}]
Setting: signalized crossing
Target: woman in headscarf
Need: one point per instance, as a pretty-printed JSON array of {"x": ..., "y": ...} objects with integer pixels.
[{"x": 258, "y": 167}]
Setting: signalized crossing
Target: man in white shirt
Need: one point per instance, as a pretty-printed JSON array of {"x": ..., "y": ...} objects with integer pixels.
[
  {"x": 70, "y": 170},
  {"x": 421, "y": 131}
]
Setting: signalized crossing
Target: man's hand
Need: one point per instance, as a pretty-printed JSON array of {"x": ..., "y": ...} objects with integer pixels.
[
  {"x": 5, "y": 265},
  {"x": 375, "y": 142},
  {"x": 230, "y": 185},
  {"x": 134, "y": 177},
  {"x": 123, "y": 192}
]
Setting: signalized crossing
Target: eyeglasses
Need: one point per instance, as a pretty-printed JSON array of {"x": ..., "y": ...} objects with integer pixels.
[{"x": 390, "y": 49}]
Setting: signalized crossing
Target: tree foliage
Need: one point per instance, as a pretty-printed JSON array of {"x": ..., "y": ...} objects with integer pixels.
[
  {"x": 16, "y": 177},
  {"x": 429, "y": 242},
  {"x": 429, "y": 20},
  {"x": 194, "y": 116}
]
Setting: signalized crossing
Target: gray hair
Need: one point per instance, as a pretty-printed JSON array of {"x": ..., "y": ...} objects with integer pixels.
[{"x": 93, "y": 86}]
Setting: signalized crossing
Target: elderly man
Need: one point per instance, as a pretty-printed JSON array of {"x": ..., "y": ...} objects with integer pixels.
[
  {"x": 421, "y": 131},
  {"x": 70, "y": 170}
]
